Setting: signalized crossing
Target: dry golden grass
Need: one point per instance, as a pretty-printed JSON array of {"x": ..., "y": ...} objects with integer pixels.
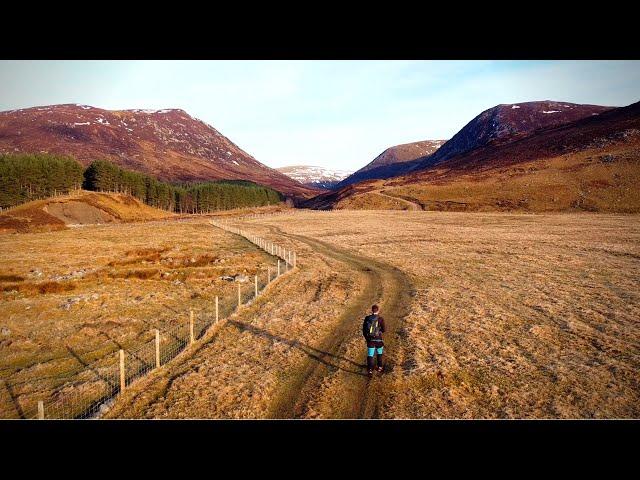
[
  {"x": 78, "y": 208},
  {"x": 585, "y": 181},
  {"x": 72, "y": 297},
  {"x": 516, "y": 316},
  {"x": 371, "y": 201},
  {"x": 507, "y": 316},
  {"x": 493, "y": 315},
  {"x": 250, "y": 360}
]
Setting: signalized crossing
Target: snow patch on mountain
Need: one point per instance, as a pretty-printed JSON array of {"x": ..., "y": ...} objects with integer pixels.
[{"x": 315, "y": 176}]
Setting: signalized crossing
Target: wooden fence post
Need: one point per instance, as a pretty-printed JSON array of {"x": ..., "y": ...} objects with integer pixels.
[
  {"x": 294, "y": 259},
  {"x": 268, "y": 275},
  {"x": 157, "y": 348},
  {"x": 256, "y": 282},
  {"x": 40, "y": 410},
  {"x": 278, "y": 267},
  {"x": 191, "y": 326},
  {"x": 123, "y": 382},
  {"x": 216, "y": 309},
  {"x": 239, "y": 298}
]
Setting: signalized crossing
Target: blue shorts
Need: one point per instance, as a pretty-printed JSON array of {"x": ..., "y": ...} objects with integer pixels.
[{"x": 371, "y": 350}]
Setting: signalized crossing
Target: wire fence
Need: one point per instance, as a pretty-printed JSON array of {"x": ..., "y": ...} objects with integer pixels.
[{"x": 90, "y": 391}]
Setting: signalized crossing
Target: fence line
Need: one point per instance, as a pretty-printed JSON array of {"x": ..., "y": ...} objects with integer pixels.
[
  {"x": 96, "y": 386},
  {"x": 289, "y": 256}
]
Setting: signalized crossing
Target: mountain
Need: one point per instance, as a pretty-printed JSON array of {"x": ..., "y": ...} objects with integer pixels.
[
  {"x": 502, "y": 123},
  {"x": 507, "y": 123},
  {"x": 169, "y": 144},
  {"x": 589, "y": 164},
  {"x": 393, "y": 161},
  {"x": 314, "y": 177}
]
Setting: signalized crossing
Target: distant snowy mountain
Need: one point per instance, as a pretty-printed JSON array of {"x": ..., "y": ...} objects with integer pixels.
[{"x": 311, "y": 176}]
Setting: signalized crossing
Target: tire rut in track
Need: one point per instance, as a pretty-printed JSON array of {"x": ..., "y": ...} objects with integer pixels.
[
  {"x": 413, "y": 206},
  {"x": 386, "y": 285}
]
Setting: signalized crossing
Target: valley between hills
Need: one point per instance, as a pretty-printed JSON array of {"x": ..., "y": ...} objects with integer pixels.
[{"x": 504, "y": 260}]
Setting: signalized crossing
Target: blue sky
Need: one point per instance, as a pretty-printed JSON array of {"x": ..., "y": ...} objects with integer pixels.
[{"x": 337, "y": 114}]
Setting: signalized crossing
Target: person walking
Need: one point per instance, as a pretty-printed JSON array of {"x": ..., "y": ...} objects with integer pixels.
[{"x": 372, "y": 330}]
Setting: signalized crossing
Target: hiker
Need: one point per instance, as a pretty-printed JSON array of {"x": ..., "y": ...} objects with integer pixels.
[{"x": 372, "y": 329}]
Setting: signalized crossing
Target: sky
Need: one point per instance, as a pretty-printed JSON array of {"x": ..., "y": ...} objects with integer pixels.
[{"x": 335, "y": 114}]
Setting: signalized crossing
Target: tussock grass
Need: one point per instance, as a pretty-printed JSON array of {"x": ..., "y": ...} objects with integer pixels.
[
  {"x": 120, "y": 282},
  {"x": 140, "y": 255},
  {"x": 11, "y": 278},
  {"x": 55, "y": 287},
  {"x": 139, "y": 274},
  {"x": 43, "y": 288}
]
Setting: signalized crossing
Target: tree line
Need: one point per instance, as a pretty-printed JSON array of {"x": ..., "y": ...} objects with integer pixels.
[
  {"x": 26, "y": 177},
  {"x": 39, "y": 176}
]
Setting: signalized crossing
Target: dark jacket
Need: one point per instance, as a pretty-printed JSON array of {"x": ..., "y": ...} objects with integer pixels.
[{"x": 365, "y": 333}]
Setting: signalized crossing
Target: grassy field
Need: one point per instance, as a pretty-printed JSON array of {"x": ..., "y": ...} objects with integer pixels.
[
  {"x": 513, "y": 316},
  {"x": 490, "y": 315},
  {"x": 251, "y": 365},
  {"x": 73, "y": 297}
]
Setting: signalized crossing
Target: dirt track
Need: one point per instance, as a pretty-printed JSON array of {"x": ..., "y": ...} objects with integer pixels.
[
  {"x": 297, "y": 352},
  {"x": 515, "y": 316},
  {"x": 360, "y": 397},
  {"x": 410, "y": 205}
]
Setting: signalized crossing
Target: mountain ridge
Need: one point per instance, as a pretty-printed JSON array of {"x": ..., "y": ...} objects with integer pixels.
[
  {"x": 589, "y": 164},
  {"x": 168, "y": 144},
  {"x": 508, "y": 122},
  {"x": 392, "y": 161},
  {"x": 314, "y": 176}
]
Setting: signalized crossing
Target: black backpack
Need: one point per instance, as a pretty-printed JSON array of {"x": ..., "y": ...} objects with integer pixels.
[{"x": 371, "y": 327}]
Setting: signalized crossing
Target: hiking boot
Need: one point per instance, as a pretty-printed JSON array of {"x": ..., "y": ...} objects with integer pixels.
[
  {"x": 380, "y": 369},
  {"x": 370, "y": 373}
]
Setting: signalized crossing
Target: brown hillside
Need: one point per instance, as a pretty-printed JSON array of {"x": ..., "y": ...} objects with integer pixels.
[
  {"x": 82, "y": 208},
  {"x": 592, "y": 164},
  {"x": 167, "y": 144},
  {"x": 393, "y": 161}
]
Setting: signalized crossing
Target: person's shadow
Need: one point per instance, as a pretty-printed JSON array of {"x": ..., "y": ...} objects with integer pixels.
[{"x": 316, "y": 354}]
